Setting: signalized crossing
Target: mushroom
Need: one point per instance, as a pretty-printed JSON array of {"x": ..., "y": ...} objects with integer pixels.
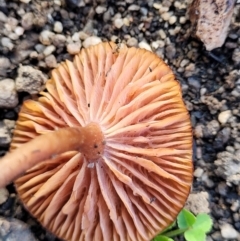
[{"x": 106, "y": 152}]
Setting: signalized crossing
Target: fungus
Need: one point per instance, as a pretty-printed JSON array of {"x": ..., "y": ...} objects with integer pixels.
[{"x": 106, "y": 152}]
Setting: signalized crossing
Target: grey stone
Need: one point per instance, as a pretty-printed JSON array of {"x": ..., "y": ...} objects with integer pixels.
[
  {"x": 12, "y": 229},
  {"x": 228, "y": 167},
  {"x": 8, "y": 94},
  {"x": 30, "y": 80},
  {"x": 198, "y": 203}
]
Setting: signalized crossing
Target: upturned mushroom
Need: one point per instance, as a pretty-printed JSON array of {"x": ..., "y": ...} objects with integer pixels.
[{"x": 106, "y": 152}]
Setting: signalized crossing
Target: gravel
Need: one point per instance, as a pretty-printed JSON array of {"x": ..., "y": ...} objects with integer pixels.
[
  {"x": 30, "y": 80},
  {"x": 8, "y": 94},
  {"x": 36, "y": 35}
]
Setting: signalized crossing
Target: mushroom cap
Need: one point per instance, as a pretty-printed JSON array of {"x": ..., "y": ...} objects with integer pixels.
[{"x": 141, "y": 182}]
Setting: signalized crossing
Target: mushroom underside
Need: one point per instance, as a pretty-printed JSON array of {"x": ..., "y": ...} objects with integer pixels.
[{"x": 140, "y": 182}]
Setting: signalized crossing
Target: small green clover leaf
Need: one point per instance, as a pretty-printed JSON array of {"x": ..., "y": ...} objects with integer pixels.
[
  {"x": 203, "y": 222},
  {"x": 185, "y": 219},
  {"x": 202, "y": 225},
  {"x": 194, "y": 228},
  {"x": 195, "y": 235}
]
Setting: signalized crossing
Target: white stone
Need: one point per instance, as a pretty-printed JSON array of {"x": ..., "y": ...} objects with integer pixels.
[
  {"x": 13, "y": 36},
  {"x": 58, "y": 2},
  {"x": 25, "y": 1},
  {"x": 172, "y": 20},
  {"x": 58, "y": 27},
  {"x": 46, "y": 37},
  {"x": 19, "y": 30},
  {"x": 182, "y": 20},
  {"x": 157, "y": 5},
  {"x": 83, "y": 35},
  {"x": 224, "y": 116},
  {"x": 74, "y": 48},
  {"x": 3, "y": 17},
  {"x": 100, "y": 9},
  {"x": 144, "y": 45},
  {"x": 118, "y": 22},
  {"x": 8, "y": 94},
  {"x": 162, "y": 34},
  {"x": 90, "y": 41},
  {"x": 133, "y": 7},
  {"x": 6, "y": 42},
  {"x": 49, "y": 50},
  {"x": 198, "y": 172},
  {"x": 166, "y": 16},
  {"x": 3, "y": 195},
  {"x": 126, "y": 21},
  {"x": 228, "y": 232},
  {"x": 76, "y": 37}
]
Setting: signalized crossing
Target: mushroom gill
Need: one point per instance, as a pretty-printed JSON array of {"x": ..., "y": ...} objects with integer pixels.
[{"x": 140, "y": 181}]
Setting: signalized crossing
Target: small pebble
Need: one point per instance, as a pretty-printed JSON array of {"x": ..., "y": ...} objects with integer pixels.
[
  {"x": 166, "y": 16},
  {"x": 46, "y": 37},
  {"x": 8, "y": 94},
  {"x": 74, "y": 48},
  {"x": 144, "y": 45},
  {"x": 118, "y": 23},
  {"x": 198, "y": 172},
  {"x": 49, "y": 50},
  {"x": 182, "y": 20},
  {"x": 236, "y": 56},
  {"x": 76, "y": 37},
  {"x": 100, "y": 9},
  {"x": 162, "y": 34},
  {"x": 3, "y": 17},
  {"x": 132, "y": 42},
  {"x": 58, "y": 27},
  {"x": 133, "y": 7},
  {"x": 19, "y": 31},
  {"x": 172, "y": 20},
  {"x": 228, "y": 231},
  {"x": 3, "y": 195},
  {"x": 25, "y": 1},
  {"x": 5, "y": 65},
  {"x": 224, "y": 116},
  {"x": 90, "y": 41},
  {"x": 27, "y": 21},
  {"x": 6, "y": 42},
  {"x": 51, "y": 61},
  {"x": 59, "y": 40},
  {"x": 235, "y": 206},
  {"x": 83, "y": 35}
]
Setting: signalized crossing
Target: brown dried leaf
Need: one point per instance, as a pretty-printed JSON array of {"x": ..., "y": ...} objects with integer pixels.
[{"x": 211, "y": 20}]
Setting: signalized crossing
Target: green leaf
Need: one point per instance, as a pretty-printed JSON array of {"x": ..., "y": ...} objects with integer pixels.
[
  {"x": 185, "y": 219},
  {"x": 203, "y": 222},
  {"x": 195, "y": 235},
  {"x": 162, "y": 238}
]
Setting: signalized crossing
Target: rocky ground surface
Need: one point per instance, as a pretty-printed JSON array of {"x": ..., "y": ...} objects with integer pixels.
[{"x": 36, "y": 35}]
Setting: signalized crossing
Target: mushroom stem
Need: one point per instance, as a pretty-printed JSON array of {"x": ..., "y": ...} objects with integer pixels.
[{"x": 88, "y": 140}]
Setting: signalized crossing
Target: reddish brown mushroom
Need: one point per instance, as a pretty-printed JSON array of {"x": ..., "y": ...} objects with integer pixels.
[{"x": 131, "y": 173}]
